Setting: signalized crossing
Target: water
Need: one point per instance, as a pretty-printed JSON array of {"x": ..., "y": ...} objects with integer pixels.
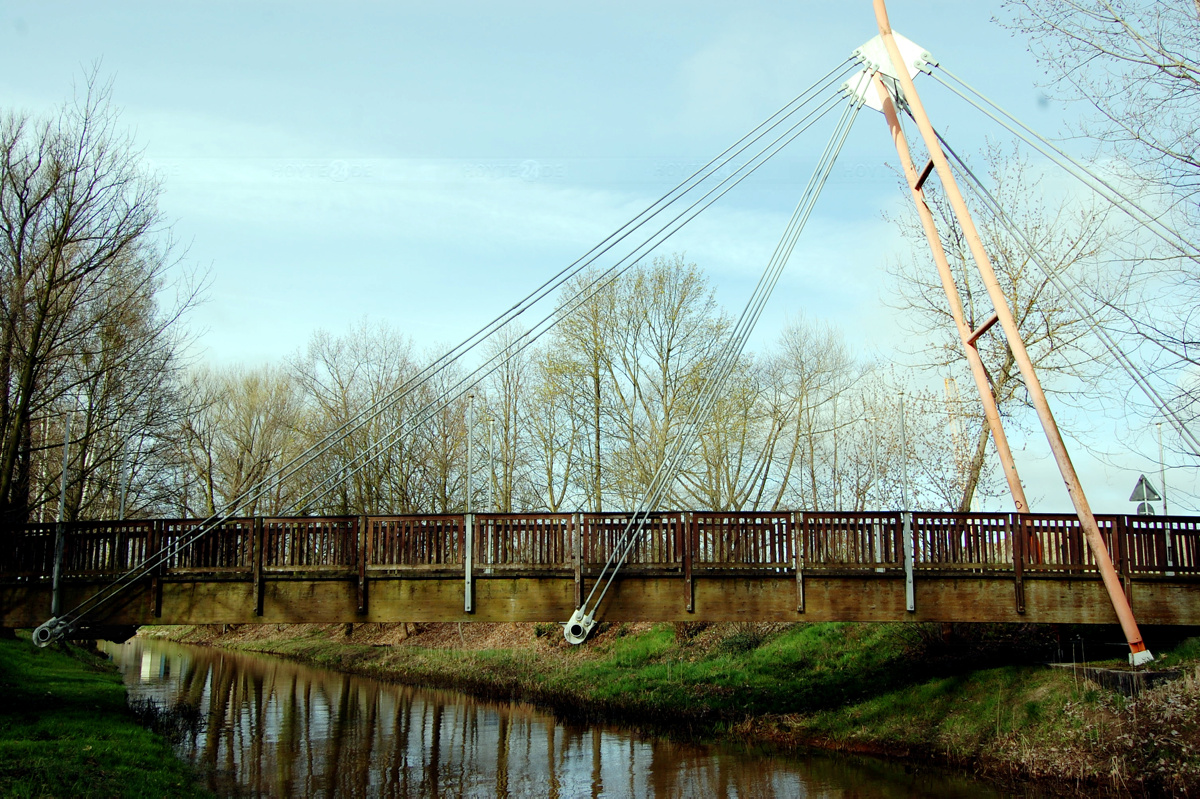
[{"x": 259, "y": 726}]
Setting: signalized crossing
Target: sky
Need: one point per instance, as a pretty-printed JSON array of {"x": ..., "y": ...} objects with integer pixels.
[{"x": 425, "y": 165}]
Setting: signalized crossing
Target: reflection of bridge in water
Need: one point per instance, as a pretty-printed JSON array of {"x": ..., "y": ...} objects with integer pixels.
[{"x": 889, "y": 566}]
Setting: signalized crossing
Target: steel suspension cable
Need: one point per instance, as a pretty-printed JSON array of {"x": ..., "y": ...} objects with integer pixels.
[
  {"x": 1071, "y": 165},
  {"x": 56, "y": 627},
  {"x": 1055, "y": 276},
  {"x": 432, "y": 370},
  {"x": 606, "y": 278},
  {"x": 452, "y": 356},
  {"x": 581, "y": 622}
]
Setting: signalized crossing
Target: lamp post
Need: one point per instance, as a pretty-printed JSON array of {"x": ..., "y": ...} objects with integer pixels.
[
  {"x": 903, "y": 456},
  {"x": 491, "y": 422},
  {"x": 1162, "y": 468},
  {"x": 470, "y": 449}
]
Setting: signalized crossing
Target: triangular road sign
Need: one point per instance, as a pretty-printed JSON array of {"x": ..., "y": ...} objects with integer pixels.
[{"x": 1144, "y": 492}]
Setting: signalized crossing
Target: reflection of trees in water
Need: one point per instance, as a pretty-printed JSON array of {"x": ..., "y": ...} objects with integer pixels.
[{"x": 280, "y": 729}]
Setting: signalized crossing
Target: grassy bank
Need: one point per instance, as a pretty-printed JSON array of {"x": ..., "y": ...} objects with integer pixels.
[
  {"x": 972, "y": 698},
  {"x": 65, "y": 730}
]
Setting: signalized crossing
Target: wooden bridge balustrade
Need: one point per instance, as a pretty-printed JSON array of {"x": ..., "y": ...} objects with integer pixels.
[
  {"x": 310, "y": 543},
  {"x": 227, "y": 548},
  {"x": 972, "y": 542},
  {"x": 658, "y": 547},
  {"x": 524, "y": 542},
  {"x": 719, "y": 551},
  {"x": 28, "y": 552},
  {"x": 425, "y": 543},
  {"x": 871, "y": 541}
]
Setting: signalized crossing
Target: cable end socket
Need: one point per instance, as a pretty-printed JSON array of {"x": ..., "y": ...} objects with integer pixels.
[
  {"x": 579, "y": 627},
  {"x": 50, "y": 631}
]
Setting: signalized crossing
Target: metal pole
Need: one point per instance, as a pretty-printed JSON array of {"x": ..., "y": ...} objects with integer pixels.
[
  {"x": 1138, "y": 652},
  {"x": 910, "y": 597},
  {"x": 491, "y": 466},
  {"x": 1168, "y": 539},
  {"x": 903, "y": 457},
  {"x": 470, "y": 452},
  {"x": 968, "y": 337},
  {"x": 1162, "y": 468},
  {"x": 874, "y": 452},
  {"x": 126, "y": 475},
  {"x": 60, "y": 533},
  {"x": 836, "y": 482}
]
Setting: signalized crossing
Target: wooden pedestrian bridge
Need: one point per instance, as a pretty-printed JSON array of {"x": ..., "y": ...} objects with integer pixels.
[{"x": 737, "y": 566}]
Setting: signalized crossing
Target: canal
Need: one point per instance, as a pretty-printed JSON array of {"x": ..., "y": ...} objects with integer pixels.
[{"x": 261, "y": 726}]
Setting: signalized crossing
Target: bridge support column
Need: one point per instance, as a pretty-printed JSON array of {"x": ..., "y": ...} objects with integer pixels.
[{"x": 1138, "y": 653}]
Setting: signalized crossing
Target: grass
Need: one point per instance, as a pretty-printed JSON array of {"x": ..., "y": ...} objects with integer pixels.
[{"x": 65, "y": 730}]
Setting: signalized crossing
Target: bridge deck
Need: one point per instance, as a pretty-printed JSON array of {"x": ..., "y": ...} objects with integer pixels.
[{"x": 685, "y": 566}]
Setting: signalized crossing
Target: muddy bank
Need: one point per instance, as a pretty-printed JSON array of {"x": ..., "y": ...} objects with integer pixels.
[{"x": 877, "y": 689}]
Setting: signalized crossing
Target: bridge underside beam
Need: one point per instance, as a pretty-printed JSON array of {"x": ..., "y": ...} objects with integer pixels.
[{"x": 873, "y": 598}]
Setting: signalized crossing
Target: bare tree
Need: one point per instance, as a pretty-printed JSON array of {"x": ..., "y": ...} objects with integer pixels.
[
  {"x": 506, "y": 396},
  {"x": 370, "y": 469},
  {"x": 243, "y": 428},
  {"x": 556, "y": 434},
  {"x": 810, "y": 370},
  {"x": 1070, "y": 239},
  {"x": 83, "y": 255},
  {"x": 735, "y": 444},
  {"x": 669, "y": 332},
  {"x": 580, "y": 361},
  {"x": 1137, "y": 65}
]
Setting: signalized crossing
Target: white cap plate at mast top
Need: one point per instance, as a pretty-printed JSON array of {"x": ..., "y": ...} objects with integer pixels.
[{"x": 874, "y": 56}]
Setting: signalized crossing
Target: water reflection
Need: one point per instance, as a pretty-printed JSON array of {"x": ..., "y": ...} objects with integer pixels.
[{"x": 266, "y": 727}]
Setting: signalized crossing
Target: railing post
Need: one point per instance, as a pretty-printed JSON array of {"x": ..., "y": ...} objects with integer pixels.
[
  {"x": 1121, "y": 545},
  {"x": 153, "y": 548},
  {"x": 363, "y": 550},
  {"x": 798, "y": 540},
  {"x": 879, "y": 549},
  {"x": 910, "y": 596},
  {"x": 60, "y": 532},
  {"x": 60, "y": 545},
  {"x": 577, "y": 548},
  {"x": 257, "y": 575},
  {"x": 1169, "y": 546},
  {"x": 469, "y": 562},
  {"x": 688, "y": 534},
  {"x": 1016, "y": 535}
]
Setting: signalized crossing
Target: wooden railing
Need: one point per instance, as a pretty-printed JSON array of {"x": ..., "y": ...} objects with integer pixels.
[
  {"x": 415, "y": 542},
  {"x": 763, "y": 542},
  {"x": 853, "y": 541}
]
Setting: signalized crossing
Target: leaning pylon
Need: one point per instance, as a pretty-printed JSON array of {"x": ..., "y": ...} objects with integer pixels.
[{"x": 901, "y": 70}]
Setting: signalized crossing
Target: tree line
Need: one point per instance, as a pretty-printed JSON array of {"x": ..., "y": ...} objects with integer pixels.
[{"x": 579, "y": 422}]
